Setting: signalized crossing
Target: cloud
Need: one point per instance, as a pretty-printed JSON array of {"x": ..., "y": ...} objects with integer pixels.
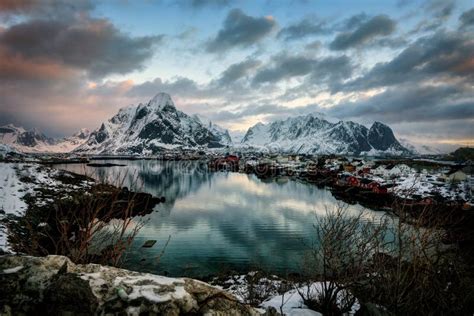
[
  {"x": 237, "y": 71},
  {"x": 441, "y": 9},
  {"x": 16, "y": 6},
  {"x": 285, "y": 67},
  {"x": 181, "y": 86},
  {"x": 322, "y": 70},
  {"x": 354, "y": 21},
  {"x": 467, "y": 18},
  {"x": 444, "y": 53},
  {"x": 45, "y": 8},
  {"x": 49, "y": 52},
  {"x": 93, "y": 45},
  {"x": 304, "y": 28},
  {"x": 205, "y": 3},
  {"x": 411, "y": 103},
  {"x": 378, "y": 26},
  {"x": 241, "y": 30}
]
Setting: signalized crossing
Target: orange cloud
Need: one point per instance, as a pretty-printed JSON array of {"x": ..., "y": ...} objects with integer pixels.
[{"x": 15, "y": 67}]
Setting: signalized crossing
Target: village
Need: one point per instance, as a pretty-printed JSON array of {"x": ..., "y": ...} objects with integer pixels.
[
  {"x": 379, "y": 181},
  {"x": 374, "y": 180}
]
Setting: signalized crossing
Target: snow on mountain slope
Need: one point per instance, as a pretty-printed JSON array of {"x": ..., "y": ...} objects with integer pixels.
[
  {"x": 220, "y": 132},
  {"x": 314, "y": 134},
  {"x": 149, "y": 128},
  {"x": 33, "y": 141},
  {"x": 421, "y": 149}
]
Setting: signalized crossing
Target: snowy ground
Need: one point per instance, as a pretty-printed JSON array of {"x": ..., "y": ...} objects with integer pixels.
[
  {"x": 271, "y": 291},
  {"x": 414, "y": 184},
  {"x": 12, "y": 191},
  {"x": 18, "y": 180}
]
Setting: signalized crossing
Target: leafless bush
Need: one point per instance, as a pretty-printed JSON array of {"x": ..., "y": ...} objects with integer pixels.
[
  {"x": 339, "y": 257},
  {"x": 406, "y": 269}
]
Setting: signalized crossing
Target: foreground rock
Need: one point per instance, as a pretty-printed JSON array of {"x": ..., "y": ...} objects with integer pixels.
[{"x": 57, "y": 286}]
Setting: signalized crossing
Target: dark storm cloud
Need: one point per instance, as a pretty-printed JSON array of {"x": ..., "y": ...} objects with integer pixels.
[
  {"x": 450, "y": 54},
  {"x": 321, "y": 69},
  {"x": 94, "y": 45},
  {"x": 409, "y": 103},
  {"x": 241, "y": 30},
  {"x": 304, "y": 28},
  {"x": 378, "y": 26},
  {"x": 237, "y": 71},
  {"x": 467, "y": 18}
]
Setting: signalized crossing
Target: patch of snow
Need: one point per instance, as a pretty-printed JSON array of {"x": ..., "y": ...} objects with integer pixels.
[{"x": 12, "y": 270}]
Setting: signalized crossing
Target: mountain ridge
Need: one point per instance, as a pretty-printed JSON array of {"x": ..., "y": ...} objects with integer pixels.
[
  {"x": 34, "y": 141},
  {"x": 314, "y": 134}
]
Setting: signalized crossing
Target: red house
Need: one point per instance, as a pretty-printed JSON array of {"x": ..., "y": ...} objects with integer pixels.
[
  {"x": 353, "y": 181},
  {"x": 232, "y": 159}
]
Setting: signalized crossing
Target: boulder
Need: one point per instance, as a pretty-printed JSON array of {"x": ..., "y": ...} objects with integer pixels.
[{"x": 57, "y": 286}]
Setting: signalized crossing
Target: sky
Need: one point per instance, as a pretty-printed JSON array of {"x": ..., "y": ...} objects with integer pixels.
[{"x": 66, "y": 64}]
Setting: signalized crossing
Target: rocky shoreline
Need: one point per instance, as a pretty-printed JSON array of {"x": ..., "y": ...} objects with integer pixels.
[{"x": 55, "y": 285}]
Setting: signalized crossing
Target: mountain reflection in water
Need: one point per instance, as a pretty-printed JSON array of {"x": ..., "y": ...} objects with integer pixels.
[{"x": 218, "y": 221}]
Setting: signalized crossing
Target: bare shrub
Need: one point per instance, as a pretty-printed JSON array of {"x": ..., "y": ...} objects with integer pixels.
[
  {"x": 403, "y": 269},
  {"x": 418, "y": 274},
  {"x": 339, "y": 257}
]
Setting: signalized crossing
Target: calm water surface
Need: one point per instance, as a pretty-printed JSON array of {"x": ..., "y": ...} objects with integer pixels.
[{"x": 218, "y": 221}]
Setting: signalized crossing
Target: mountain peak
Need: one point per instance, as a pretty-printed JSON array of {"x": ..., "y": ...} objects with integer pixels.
[
  {"x": 151, "y": 128},
  {"x": 161, "y": 101},
  {"x": 379, "y": 124}
]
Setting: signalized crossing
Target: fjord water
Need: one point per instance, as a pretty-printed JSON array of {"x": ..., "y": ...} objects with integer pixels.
[{"x": 218, "y": 221}]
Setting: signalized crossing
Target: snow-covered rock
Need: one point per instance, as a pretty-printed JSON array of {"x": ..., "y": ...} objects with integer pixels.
[
  {"x": 61, "y": 287},
  {"x": 315, "y": 134},
  {"x": 6, "y": 150},
  {"x": 149, "y": 128}
]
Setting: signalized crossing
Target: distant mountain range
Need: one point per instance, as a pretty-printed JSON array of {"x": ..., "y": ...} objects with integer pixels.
[
  {"x": 33, "y": 141},
  {"x": 316, "y": 135},
  {"x": 157, "y": 125}
]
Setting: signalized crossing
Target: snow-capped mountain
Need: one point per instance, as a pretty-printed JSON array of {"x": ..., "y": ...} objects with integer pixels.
[
  {"x": 314, "y": 134},
  {"x": 33, "y": 141},
  {"x": 149, "y": 128}
]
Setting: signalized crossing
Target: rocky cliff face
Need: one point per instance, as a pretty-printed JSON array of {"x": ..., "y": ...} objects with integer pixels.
[
  {"x": 381, "y": 137},
  {"x": 56, "y": 286}
]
